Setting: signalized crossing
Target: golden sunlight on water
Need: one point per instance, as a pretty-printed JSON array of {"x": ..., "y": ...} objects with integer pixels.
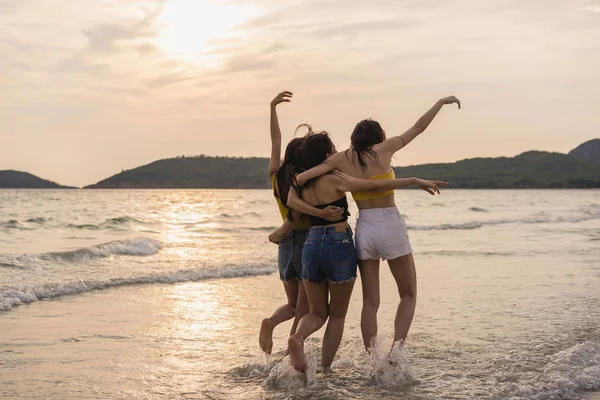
[
  {"x": 198, "y": 312},
  {"x": 189, "y": 27},
  {"x": 186, "y": 227}
]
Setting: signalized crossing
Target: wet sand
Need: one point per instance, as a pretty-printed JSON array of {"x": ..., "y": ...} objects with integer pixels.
[
  {"x": 200, "y": 340},
  {"x": 147, "y": 341}
]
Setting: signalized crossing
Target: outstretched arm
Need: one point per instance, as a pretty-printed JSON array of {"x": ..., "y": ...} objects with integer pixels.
[
  {"x": 325, "y": 167},
  {"x": 395, "y": 143},
  {"x": 349, "y": 183},
  {"x": 274, "y": 164},
  {"x": 314, "y": 172}
]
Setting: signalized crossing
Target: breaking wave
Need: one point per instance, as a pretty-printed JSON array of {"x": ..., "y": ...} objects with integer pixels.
[
  {"x": 12, "y": 297},
  {"x": 128, "y": 247},
  {"x": 565, "y": 375}
]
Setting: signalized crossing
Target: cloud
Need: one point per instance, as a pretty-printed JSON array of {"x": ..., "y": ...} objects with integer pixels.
[
  {"x": 354, "y": 28},
  {"x": 78, "y": 65},
  {"x": 167, "y": 80},
  {"x": 105, "y": 38},
  {"x": 268, "y": 19},
  {"x": 7, "y": 6},
  {"x": 275, "y": 48},
  {"x": 592, "y": 8},
  {"x": 146, "y": 49},
  {"x": 249, "y": 62}
]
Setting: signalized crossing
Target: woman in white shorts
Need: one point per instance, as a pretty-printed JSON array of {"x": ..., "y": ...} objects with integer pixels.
[{"x": 380, "y": 230}]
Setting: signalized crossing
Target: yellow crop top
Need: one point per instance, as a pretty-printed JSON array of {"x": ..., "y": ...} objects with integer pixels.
[
  {"x": 302, "y": 223},
  {"x": 375, "y": 195}
]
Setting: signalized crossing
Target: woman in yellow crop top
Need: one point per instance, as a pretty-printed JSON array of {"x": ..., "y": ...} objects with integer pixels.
[
  {"x": 290, "y": 247},
  {"x": 380, "y": 230}
]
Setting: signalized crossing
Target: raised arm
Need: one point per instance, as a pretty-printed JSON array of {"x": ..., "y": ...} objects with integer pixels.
[
  {"x": 274, "y": 164},
  {"x": 331, "y": 213},
  {"x": 349, "y": 183},
  {"x": 395, "y": 143}
]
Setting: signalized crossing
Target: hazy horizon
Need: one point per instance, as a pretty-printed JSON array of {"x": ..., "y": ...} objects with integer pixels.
[{"x": 90, "y": 90}]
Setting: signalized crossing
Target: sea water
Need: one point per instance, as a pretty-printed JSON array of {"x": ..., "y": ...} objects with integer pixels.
[{"x": 159, "y": 294}]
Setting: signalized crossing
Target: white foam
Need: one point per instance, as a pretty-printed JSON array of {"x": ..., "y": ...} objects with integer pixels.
[
  {"x": 11, "y": 297},
  {"x": 259, "y": 366},
  {"x": 566, "y": 374},
  {"x": 390, "y": 369},
  {"x": 128, "y": 247},
  {"x": 284, "y": 376}
]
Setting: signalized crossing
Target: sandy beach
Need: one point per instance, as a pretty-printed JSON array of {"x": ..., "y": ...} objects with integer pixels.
[
  {"x": 119, "y": 343},
  {"x": 160, "y": 341}
]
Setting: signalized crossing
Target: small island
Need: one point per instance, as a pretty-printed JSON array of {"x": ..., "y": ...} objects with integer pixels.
[{"x": 10, "y": 179}]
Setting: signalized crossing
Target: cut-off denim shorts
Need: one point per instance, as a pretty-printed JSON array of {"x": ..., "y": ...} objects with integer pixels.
[
  {"x": 290, "y": 255},
  {"x": 329, "y": 255}
]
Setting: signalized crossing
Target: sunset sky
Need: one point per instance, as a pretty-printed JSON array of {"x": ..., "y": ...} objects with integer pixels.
[{"x": 91, "y": 87}]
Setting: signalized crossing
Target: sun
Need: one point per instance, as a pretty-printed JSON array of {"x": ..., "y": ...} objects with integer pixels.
[{"x": 188, "y": 29}]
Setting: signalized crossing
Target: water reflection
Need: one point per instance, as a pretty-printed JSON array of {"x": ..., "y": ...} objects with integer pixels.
[{"x": 200, "y": 313}]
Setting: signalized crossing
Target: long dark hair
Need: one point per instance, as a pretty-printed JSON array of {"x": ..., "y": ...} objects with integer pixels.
[
  {"x": 301, "y": 154},
  {"x": 287, "y": 171},
  {"x": 315, "y": 150},
  {"x": 366, "y": 134}
]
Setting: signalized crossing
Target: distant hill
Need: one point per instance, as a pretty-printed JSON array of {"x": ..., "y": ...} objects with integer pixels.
[
  {"x": 533, "y": 169},
  {"x": 10, "y": 179},
  {"x": 589, "y": 150},
  {"x": 193, "y": 173}
]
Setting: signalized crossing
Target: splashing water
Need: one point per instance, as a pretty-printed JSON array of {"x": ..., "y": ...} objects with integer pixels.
[{"x": 390, "y": 369}]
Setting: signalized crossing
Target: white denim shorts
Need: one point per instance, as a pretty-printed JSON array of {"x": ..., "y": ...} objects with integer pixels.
[{"x": 381, "y": 234}]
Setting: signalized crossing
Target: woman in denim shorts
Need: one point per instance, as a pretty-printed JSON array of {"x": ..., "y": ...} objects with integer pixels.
[
  {"x": 381, "y": 232},
  {"x": 290, "y": 245},
  {"x": 329, "y": 259}
]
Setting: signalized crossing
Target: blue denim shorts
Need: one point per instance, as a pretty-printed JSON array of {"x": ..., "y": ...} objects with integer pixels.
[
  {"x": 329, "y": 255},
  {"x": 290, "y": 255}
]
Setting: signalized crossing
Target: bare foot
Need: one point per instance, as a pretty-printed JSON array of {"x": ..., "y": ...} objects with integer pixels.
[
  {"x": 265, "y": 338},
  {"x": 327, "y": 370},
  {"x": 296, "y": 348},
  {"x": 397, "y": 344}
]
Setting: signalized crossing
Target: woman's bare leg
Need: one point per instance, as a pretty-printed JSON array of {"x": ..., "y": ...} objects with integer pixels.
[
  {"x": 317, "y": 294},
  {"x": 282, "y": 314},
  {"x": 301, "y": 306},
  {"x": 403, "y": 270},
  {"x": 369, "y": 275},
  {"x": 340, "y": 294}
]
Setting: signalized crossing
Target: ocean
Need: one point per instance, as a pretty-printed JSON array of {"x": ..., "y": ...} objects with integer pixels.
[{"x": 159, "y": 294}]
